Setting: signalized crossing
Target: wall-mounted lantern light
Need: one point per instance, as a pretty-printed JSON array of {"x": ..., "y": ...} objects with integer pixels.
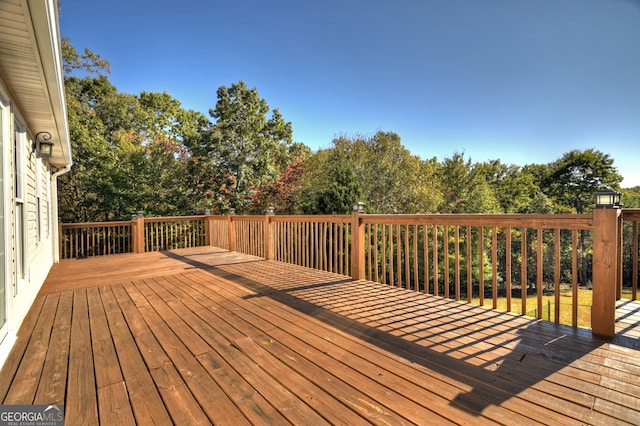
[
  {"x": 357, "y": 207},
  {"x": 42, "y": 144},
  {"x": 607, "y": 199}
]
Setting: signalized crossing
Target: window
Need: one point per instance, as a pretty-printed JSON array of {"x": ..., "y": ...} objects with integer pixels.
[
  {"x": 19, "y": 177},
  {"x": 39, "y": 166}
]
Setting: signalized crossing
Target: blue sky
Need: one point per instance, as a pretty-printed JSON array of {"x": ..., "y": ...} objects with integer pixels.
[{"x": 523, "y": 81}]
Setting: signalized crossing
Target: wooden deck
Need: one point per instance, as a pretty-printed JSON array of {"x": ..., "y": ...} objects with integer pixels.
[{"x": 203, "y": 336}]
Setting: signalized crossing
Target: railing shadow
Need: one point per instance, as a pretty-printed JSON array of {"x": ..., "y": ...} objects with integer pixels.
[
  {"x": 498, "y": 356},
  {"x": 628, "y": 324}
]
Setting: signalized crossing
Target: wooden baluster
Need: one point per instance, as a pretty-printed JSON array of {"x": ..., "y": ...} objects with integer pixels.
[
  {"x": 540, "y": 272},
  {"x": 574, "y": 277},
  {"x": 457, "y": 260},
  {"x": 508, "y": 266},
  {"x": 523, "y": 271},
  {"x": 481, "y": 263},
  {"x": 494, "y": 267},
  {"x": 556, "y": 275},
  {"x": 435, "y": 259}
]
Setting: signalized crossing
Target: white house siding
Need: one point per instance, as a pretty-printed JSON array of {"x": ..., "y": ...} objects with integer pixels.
[
  {"x": 31, "y": 101},
  {"x": 4, "y": 226},
  {"x": 20, "y": 291}
]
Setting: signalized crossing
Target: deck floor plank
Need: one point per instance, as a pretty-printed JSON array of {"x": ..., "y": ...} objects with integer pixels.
[
  {"x": 52, "y": 388},
  {"x": 16, "y": 355},
  {"x": 207, "y": 336},
  {"x": 164, "y": 365},
  {"x": 81, "y": 402},
  {"x": 194, "y": 377},
  {"x": 327, "y": 389},
  {"x": 543, "y": 401},
  {"x": 30, "y": 372},
  {"x": 379, "y": 360},
  {"x": 577, "y": 346},
  {"x": 146, "y": 403},
  {"x": 113, "y": 400},
  {"x": 235, "y": 340},
  {"x": 313, "y": 340},
  {"x": 221, "y": 362}
]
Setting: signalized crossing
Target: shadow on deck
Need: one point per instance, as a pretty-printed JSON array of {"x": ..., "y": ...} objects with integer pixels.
[{"x": 209, "y": 336}]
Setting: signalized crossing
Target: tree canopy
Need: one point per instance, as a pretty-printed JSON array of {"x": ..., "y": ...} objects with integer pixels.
[
  {"x": 244, "y": 149},
  {"x": 146, "y": 152}
]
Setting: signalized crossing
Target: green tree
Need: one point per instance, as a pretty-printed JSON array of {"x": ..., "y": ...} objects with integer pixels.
[
  {"x": 574, "y": 178},
  {"x": 244, "y": 149},
  {"x": 631, "y": 197},
  {"x": 395, "y": 181},
  {"x": 571, "y": 182},
  {"x": 339, "y": 196},
  {"x": 87, "y": 191},
  {"x": 514, "y": 187},
  {"x": 390, "y": 178},
  {"x": 129, "y": 151},
  {"x": 465, "y": 188},
  {"x": 87, "y": 62}
]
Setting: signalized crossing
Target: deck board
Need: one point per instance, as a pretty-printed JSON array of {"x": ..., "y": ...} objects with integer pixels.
[
  {"x": 206, "y": 336},
  {"x": 146, "y": 403},
  {"x": 52, "y": 389}
]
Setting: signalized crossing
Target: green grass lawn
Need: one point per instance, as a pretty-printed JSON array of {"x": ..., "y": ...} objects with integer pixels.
[
  {"x": 548, "y": 309},
  {"x": 566, "y": 297}
]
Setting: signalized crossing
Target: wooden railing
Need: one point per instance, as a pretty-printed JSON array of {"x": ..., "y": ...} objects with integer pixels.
[
  {"x": 162, "y": 233},
  {"x": 516, "y": 263},
  {"x": 80, "y": 240},
  {"x": 539, "y": 265},
  {"x": 319, "y": 242},
  {"x": 629, "y": 253},
  {"x": 138, "y": 235}
]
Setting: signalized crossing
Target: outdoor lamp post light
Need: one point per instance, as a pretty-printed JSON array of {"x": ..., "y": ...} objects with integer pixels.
[
  {"x": 271, "y": 210},
  {"x": 42, "y": 144},
  {"x": 607, "y": 199},
  {"x": 357, "y": 207},
  {"x": 232, "y": 211}
]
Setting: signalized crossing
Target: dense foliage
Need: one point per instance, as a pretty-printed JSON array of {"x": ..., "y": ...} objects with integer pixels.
[{"x": 146, "y": 152}]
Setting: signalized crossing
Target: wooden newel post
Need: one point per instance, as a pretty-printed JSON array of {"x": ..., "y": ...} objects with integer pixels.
[
  {"x": 605, "y": 270},
  {"x": 137, "y": 230},
  {"x": 357, "y": 242},
  {"x": 232, "y": 233},
  {"x": 268, "y": 234},
  {"x": 208, "y": 227}
]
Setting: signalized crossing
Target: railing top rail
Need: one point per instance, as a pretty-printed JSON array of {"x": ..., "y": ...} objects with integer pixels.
[
  {"x": 631, "y": 214},
  {"x": 547, "y": 221},
  {"x": 95, "y": 224},
  {"x": 245, "y": 218},
  {"x": 173, "y": 218},
  {"x": 325, "y": 218}
]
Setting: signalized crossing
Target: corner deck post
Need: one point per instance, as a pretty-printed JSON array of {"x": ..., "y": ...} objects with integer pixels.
[
  {"x": 137, "y": 233},
  {"x": 605, "y": 270}
]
